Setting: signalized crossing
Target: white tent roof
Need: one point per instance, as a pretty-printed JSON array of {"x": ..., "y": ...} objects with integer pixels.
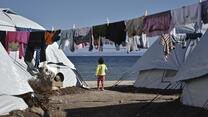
[
  {"x": 154, "y": 58},
  {"x": 23, "y": 22},
  {"x": 197, "y": 63},
  {"x": 14, "y": 79},
  {"x": 10, "y": 20}
]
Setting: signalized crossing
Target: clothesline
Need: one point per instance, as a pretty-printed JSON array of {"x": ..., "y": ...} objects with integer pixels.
[{"x": 130, "y": 33}]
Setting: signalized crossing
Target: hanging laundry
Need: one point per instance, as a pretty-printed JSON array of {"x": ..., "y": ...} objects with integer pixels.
[
  {"x": 157, "y": 24},
  {"x": 134, "y": 26},
  {"x": 131, "y": 44},
  {"x": 187, "y": 15},
  {"x": 116, "y": 32},
  {"x": 99, "y": 31},
  {"x": 204, "y": 11},
  {"x": 19, "y": 37},
  {"x": 67, "y": 36},
  {"x": 178, "y": 36},
  {"x": 36, "y": 41},
  {"x": 167, "y": 43},
  {"x": 91, "y": 42},
  {"x": 51, "y": 36},
  {"x": 37, "y": 57},
  {"x": 98, "y": 43},
  {"x": 82, "y": 35},
  {"x": 2, "y": 38},
  {"x": 117, "y": 47},
  {"x": 145, "y": 41}
]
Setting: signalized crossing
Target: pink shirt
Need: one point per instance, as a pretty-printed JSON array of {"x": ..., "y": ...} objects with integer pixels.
[{"x": 21, "y": 37}]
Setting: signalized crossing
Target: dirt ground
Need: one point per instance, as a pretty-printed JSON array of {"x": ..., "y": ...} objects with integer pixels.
[{"x": 122, "y": 101}]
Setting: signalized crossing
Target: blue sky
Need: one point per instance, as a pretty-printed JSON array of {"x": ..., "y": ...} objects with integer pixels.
[{"x": 64, "y": 13}]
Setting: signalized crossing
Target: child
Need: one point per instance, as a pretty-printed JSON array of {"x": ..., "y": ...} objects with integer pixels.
[{"x": 100, "y": 73}]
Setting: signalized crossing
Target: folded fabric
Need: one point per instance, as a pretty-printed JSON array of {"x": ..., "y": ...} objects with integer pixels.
[{"x": 157, "y": 24}]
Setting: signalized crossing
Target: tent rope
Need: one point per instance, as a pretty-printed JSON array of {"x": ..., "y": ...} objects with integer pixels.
[{"x": 122, "y": 78}]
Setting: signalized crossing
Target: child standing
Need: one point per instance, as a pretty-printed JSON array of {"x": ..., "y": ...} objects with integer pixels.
[{"x": 100, "y": 73}]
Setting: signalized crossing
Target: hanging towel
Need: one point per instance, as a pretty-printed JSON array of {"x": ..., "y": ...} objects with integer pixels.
[
  {"x": 116, "y": 32},
  {"x": 67, "y": 36},
  {"x": 204, "y": 11},
  {"x": 134, "y": 26},
  {"x": 157, "y": 24},
  {"x": 167, "y": 43},
  {"x": 187, "y": 15},
  {"x": 82, "y": 35}
]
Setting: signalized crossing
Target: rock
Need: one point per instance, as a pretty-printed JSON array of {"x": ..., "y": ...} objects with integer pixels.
[{"x": 37, "y": 110}]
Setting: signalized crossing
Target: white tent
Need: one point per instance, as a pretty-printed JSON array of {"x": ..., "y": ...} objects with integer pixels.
[
  {"x": 152, "y": 71},
  {"x": 13, "y": 82},
  {"x": 10, "y": 21},
  {"x": 57, "y": 62},
  {"x": 68, "y": 69},
  {"x": 194, "y": 75}
]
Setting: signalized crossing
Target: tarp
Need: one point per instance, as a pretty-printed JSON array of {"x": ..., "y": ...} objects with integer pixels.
[{"x": 151, "y": 69}]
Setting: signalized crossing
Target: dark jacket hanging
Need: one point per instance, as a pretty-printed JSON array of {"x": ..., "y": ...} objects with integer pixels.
[
  {"x": 2, "y": 38},
  {"x": 116, "y": 32},
  {"x": 36, "y": 41}
]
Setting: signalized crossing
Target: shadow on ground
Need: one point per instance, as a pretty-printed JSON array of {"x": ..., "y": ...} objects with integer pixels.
[
  {"x": 163, "y": 109},
  {"x": 132, "y": 89}
]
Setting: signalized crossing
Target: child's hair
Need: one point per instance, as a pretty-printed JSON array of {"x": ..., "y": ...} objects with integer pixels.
[{"x": 100, "y": 60}]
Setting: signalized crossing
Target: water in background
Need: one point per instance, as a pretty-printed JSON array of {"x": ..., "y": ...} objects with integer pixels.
[{"x": 117, "y": 65}]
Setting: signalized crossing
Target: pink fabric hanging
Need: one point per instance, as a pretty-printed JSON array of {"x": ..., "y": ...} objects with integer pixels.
[{"x": 20, "y": 37}]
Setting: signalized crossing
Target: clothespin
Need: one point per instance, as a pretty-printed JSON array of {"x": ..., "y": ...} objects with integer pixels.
[
  {"x": 107, "y": 20},
  {"x": 74, "y": 26},
  {"x": 52, "y": 28},
  {"x": 145, "y": 13}
]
